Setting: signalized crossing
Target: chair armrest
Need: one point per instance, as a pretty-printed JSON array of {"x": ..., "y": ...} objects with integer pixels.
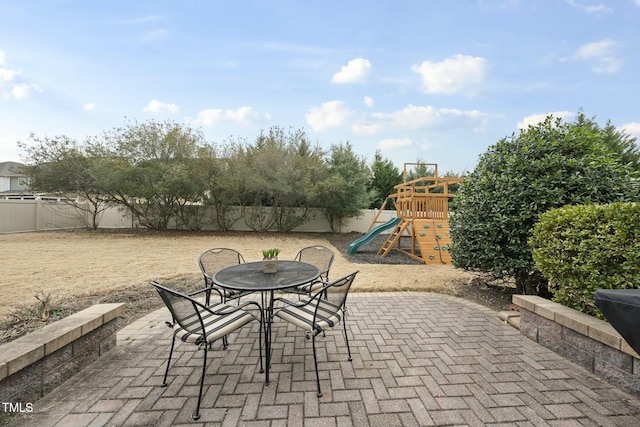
[
  {"x": 289, "y": 302},
  {"x": 303, "y": 303},
  {"x": 319, "y": 280},
  {"x": 325, "y": 286},
  {"x": 199, "y": 291},
  {"x": 214, "y": 288},
  {"x": 232, "y": 309}
]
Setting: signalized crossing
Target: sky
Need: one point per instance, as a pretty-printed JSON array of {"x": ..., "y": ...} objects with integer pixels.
[{"x": 416, "y": 80}]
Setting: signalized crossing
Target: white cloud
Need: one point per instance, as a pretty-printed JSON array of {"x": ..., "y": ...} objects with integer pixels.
[
  {"x": 453, "y": 74},
  {"x": 329, "y": 114},
  {"x": 601, "y": 54},
  {"x": 7, "y": 75},
  {"x": 89, "y": 106},
  {"x": 356, "y": 71},
  {"x": 11, "y": 86},
  {"x": 21, "y": 91},
  {"x": 534, "y": 119},
  {"x": 243, "y": 115},
  {"x": 589, "y": 8},
  {"x": 392, "y": 143},
  {"x": 368, "y": 101},
  {"x": 414, "y": 117},
  {"x": 156, "y": 106},
  {"x": 632, "y": 128}
]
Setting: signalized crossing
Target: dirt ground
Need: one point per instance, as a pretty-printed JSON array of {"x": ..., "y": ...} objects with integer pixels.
[{"x": 57, "y": 273}]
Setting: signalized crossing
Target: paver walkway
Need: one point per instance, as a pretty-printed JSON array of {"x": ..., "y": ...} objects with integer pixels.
[{"x": 418, "y": 359}]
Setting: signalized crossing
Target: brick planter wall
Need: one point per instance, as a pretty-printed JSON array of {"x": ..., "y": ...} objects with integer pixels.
[
  {"x": 591, "y": 343},
  {"x": 38, "y": 362}
]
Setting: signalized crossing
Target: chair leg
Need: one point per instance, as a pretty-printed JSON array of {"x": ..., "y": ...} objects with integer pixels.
[
  {"x": 260, "y": 341},
  {"x": 196, "y": 415},
  {"x": 225, "y": 341},
  {"x": 346, "y": 337},
  {"x": 166, "y": 371},
  {"x": 315, "y": 361}
]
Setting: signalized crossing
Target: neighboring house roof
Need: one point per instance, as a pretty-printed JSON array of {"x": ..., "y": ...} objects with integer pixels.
[{"x": 11, "y": 169}]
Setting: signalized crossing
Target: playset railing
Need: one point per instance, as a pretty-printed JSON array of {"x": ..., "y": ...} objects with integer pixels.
[{"x": 424, "y": 198}]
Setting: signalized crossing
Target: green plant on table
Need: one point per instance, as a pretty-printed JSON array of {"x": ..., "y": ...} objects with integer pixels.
[{"x": 270, "y": 253}]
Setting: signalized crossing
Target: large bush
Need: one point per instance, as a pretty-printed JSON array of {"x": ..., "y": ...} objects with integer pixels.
[
  {"x": 582, "y": 248},
  {"x": 159, "y": 176},
  {"x": 66, "y": 168},
  {"x": 281, "y": 170},
  {"x": 165, "y": 173},
  {"x": 548, "y": 165},
  {"x": 343, "y": 193}
]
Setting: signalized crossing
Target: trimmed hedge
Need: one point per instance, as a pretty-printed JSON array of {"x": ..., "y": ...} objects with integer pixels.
[{"x": 583, "y": 248}]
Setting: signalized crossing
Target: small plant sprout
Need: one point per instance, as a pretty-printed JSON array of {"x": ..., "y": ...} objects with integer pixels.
[{"x": 270, "y": 253}]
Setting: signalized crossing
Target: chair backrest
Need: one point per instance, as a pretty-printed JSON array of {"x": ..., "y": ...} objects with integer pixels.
[
  {"x": 334, "y": 298},
  {"x": 319, "y": 256},
  {"x": 183, "y": 308},
  {"x": 215, "y": 259}
]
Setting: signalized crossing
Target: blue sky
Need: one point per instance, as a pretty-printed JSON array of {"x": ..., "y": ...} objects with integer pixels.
[{"x": 439, "y": 81}]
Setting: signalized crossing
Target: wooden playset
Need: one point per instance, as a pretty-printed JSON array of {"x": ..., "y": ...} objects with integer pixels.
[{"x": 422, "y": 205}]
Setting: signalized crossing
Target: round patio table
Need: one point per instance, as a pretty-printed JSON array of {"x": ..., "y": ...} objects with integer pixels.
[{"x": 250, "y": 277}]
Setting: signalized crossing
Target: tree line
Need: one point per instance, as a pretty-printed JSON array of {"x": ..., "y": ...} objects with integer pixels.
[{"x": 169, "y": 175}]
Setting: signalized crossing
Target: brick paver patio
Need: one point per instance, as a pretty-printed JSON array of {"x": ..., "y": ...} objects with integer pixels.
[{"x": 419, "y": 359}]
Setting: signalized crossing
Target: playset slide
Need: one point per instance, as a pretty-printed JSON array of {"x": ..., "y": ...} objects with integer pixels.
[{"x": 353, "y": 247}]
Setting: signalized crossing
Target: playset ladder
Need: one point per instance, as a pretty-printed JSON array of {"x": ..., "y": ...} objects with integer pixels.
[{"x": 393, "y": 238}]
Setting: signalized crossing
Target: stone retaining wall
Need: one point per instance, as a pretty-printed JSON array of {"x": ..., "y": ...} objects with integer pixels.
[
  {"x": 590, "y": 342},
  {"x": 33, "y": 365}
]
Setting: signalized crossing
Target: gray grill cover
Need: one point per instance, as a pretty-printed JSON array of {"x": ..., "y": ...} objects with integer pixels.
[{"x": 621, "y": 307}]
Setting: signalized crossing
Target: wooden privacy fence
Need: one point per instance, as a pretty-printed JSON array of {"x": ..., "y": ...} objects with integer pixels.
[{"x": 42, "y": 215}]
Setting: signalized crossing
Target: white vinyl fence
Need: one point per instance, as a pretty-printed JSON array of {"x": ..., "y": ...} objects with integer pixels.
[
  {"x": 38, "y": 215},
  {"x": 42, "y": 215}
]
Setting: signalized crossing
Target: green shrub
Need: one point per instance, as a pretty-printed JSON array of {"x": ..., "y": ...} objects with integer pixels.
[
  {"x": 549, "y": 165},
  {"x": 582, "y": 248}
]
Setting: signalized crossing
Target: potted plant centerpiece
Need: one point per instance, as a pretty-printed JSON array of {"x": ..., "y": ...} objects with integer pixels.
[{"x": 270, "y": 260}]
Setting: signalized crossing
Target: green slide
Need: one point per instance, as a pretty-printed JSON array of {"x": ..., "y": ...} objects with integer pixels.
[{"x": 353, "y": 247}]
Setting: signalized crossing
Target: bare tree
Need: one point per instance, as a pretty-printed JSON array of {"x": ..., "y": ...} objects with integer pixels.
[{"x": 62, "y": 167}]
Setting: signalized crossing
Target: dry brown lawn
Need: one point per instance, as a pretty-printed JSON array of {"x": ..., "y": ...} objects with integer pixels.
[{"x": 80, "y": 263}]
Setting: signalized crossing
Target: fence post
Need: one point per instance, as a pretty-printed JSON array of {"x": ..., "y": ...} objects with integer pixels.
[{"x": 37, "y": 215}]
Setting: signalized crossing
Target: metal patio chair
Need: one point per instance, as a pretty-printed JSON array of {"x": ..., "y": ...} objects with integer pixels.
[
  {"x": 213, "y": 260},
  {"x": 316, "y": 314},
  {"x": 195, "y": 323},
  {"x": 319, "y": 256}
]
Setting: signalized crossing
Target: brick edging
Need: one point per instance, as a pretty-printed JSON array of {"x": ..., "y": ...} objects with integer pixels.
[
  {"x": 33, "y": 365},
  {"x": 590, "y": 342}
]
